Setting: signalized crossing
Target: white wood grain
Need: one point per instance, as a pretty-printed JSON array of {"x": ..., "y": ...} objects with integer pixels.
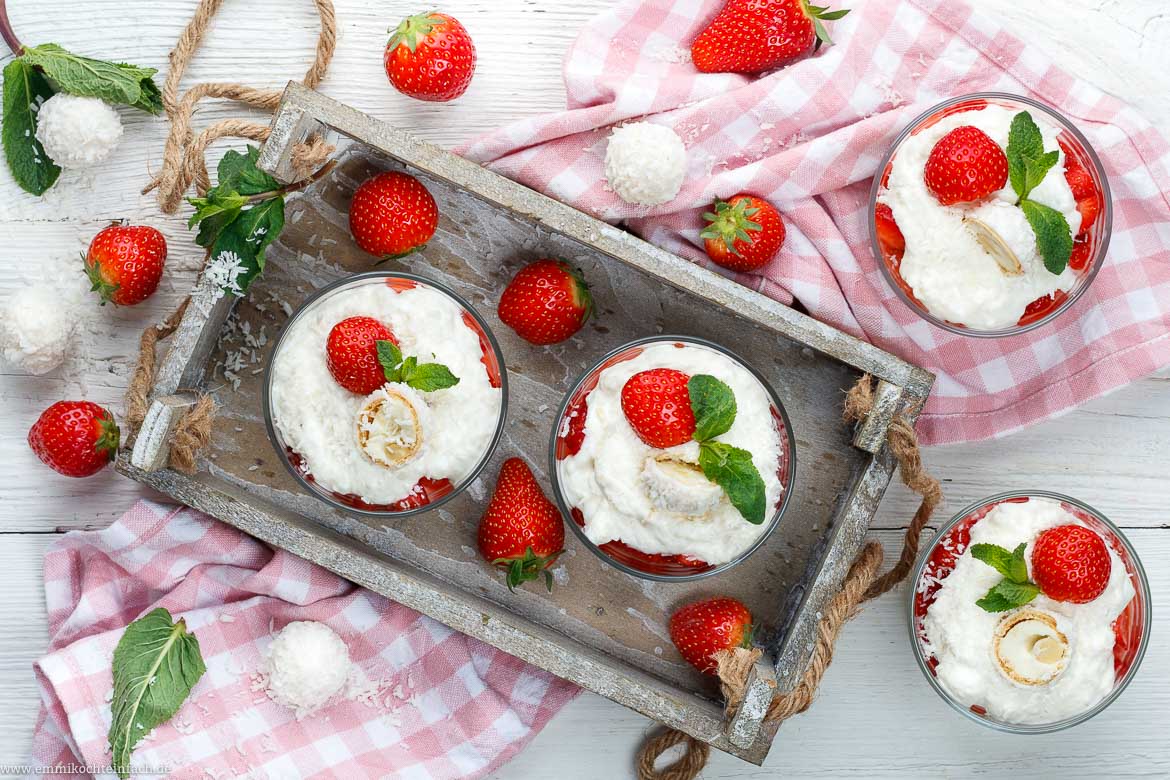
[{"x": 875, "y": 714}]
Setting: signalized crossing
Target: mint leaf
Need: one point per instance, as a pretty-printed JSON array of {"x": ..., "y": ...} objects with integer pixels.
[
  {"x": 1036, "y": 169},
  {"x": 216, "y": 203},
  {"x": 24, "y": 89},
  {"x": 732, "y": 469},
  {"x": 239, "y": 173},
  {"x": 1008, "y": 595},
  {"x": 1010, "y": 564},
  {"x": 713, "y": 404},
  {"x": 112, "y": 82},
  {"x": 1053, "y": 234},
  {"x": 248, "y": 235},
  {"x": 390, "y": 356},
  {"x": 427, "y": 377},
  {"x": 1024, "y": 143},
  {"x": 156, "y": 664}
]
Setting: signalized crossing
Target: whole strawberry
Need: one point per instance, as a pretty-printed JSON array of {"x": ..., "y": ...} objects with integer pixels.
[
  {"x": 1070, "y": 563},
  {"x": 125, "y": 262},
  {"x": 351, "y": 352},
  {"x": 521, "y": 531},
  {"x": 965, "y": 165},
  {"x": 744, "y": 234},
  {"x": 430, "y": 57},
  {"x": 546, "y": 302},
  {"x": 75, "y": 438},
  {"x": 657, "y": 404},
  {"x": 703, "y": 628},
  {"x": 752, "y": 36},
  {"x": 392, "y": 215}
]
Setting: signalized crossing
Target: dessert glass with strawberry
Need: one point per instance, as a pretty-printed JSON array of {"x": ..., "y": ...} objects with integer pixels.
[
  {"x": 673, "y": 458},
  {"x": 385, "y": 394},
  {"x": 990, "y": 215},
  {"x": 1031, "y": 612}
]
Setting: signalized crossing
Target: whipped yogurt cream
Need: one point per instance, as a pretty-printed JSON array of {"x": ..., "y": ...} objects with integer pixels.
[
  {"x": 949, "y": 271},
  {"x": 961, "y": 635},
  {"x": 629, "y": 491},
  {"x": 319, "y": 420}
]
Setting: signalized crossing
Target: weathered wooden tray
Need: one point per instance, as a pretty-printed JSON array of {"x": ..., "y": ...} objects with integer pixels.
[{"x": 599, "y": 628}]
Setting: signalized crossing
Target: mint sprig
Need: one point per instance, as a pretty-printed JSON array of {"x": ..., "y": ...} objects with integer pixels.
[
  {"x": 1028, "y": 164},
  {"x": 424, "y": 377},
  {"x": 25, "y": 88},
  {"x": 1015, "y": 589},
  {"x": 731, "y": 468}
]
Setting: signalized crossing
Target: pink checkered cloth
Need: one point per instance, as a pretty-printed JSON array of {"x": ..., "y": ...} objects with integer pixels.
[
  {"x": 439, "y": 704},
  {"x": 810, "y": 137}
]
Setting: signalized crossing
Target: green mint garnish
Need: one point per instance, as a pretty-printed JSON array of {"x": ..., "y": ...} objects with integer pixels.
[
  {"x": 731, "y": 468},
  {"x": 25, "y": 88},
  {"x": 1028, "y": 164},
  {"x": 424, "y": 377},
  {"x": 113, "y": 82},
  {"x": 1015, "y": 589}
]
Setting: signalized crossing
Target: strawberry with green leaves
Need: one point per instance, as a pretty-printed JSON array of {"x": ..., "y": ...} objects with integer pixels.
[
  {"x": 666, "y": 407},
  {"x": 753, "y": 36},
  {"x": 703, "y": 628},
  {"x": 392, "y": 215},
  {"x": 125, "y": 263},
  {"x": 1070, "y": 563},
  {"x": 75, "y": 438},
  {"x": 521, "y": 531},
  {"x": 430, "y": 57},
  {"x": 546, "y": 302},
  {"x": 362, "y": 355},
  {"x": 744, "y": 232}
]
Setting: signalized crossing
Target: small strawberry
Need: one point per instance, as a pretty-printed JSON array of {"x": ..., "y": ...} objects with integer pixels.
[
  {"x": 745, "y": 232},
  {"x": 392, "y": 215},
  {"x": 1070, "y": 563},
  {"x": 521, "y": 530},
  {"x": 75, "y": 438},
  {"x": 657, "y": 404},
  {"x": 889, "y": 235},
  {"x": 1081, "y": 254},
  {"x": 430, "y": 57},
  {"x": 351, "y": 352},
  {"x": 546, "y": 302},
  {"x": 125, "y": 262},
  {"x": 703, "y": 628},
  {"x": 752, "y": 36},
  {"x": 965, "y": 165}
]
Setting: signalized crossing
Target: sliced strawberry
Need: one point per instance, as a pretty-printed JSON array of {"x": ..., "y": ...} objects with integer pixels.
[{"x": 889, "y": 235}]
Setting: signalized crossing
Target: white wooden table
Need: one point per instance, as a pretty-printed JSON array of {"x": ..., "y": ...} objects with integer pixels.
[{"x": 876, "y": 715}]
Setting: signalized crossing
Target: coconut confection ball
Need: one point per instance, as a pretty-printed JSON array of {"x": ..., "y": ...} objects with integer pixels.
[
  {"x": 78, "y": 132},
  {"x": 645, "y": 163},
  {"x": 308, "y": 664},
  {"x": 36, "y": 328}
]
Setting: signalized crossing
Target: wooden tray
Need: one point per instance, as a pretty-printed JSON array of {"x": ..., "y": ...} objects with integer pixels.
[{"x": 599, "y": 628}]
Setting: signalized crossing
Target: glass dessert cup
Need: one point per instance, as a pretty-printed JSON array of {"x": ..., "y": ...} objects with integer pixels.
[
  {"x": 428, "y": 493},
  {"x": 1089, "y": 244},
  {"x": 1131, "y": 629},
  {"x": 569, "y": 433}
]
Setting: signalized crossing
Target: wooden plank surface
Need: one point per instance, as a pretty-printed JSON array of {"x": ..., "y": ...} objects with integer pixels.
[{"x": 1112, "y": 453}]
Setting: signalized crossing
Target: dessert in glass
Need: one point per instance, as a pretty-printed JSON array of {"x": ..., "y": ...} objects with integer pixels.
[
  {"x": 673, "y": 458},
  {"x": 990, "y": 214},
  {"x": 385, "y": 394},
  {"x": 1031, "y": 612}
]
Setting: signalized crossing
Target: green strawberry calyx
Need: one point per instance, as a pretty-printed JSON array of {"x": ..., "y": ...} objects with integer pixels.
[
  {"x": 819, "y": 15},
  {"x": 98, "y": 283},
  {"x": 528, "y": 567},
  {"x": 413, "y": 28},
  {"x": 732, "y": 222},
  {"x": 582, "y": 298},
  {"x": 109, "y": 437}
]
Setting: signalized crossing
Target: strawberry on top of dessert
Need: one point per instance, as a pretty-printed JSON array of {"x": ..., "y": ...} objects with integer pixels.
[{"x": 978, "y": 218}]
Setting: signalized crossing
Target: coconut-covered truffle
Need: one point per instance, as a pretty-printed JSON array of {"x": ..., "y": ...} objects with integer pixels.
[
  {"x": 308, "y": 664},
  {"x": 78, "y": 132},
  {"x": 645, "y": 163},
  {"x": 36, "y": 326}
]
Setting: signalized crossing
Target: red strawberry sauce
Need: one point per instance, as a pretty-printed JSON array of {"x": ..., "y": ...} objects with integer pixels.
[
  {"x": 1127, "y": 629},
  {"x": 1085, "y": 241}
]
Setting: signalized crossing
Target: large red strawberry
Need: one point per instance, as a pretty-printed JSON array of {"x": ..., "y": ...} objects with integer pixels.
[
  {"x": 965, "y": 165},
  {"x": 75, "y": 438},
  {"x": 430, "y": 57},
  {"x": 521, "y": 531},
  {"x": 546, "y": 302},
  {"x": 657, "y": 404},
  {"x": 1070, "y": 563},
  {"x": 125, "y": 262},
  {"x": 351, "y": 352},
  {"x": 745, "y": 232},
  {"x": 752, "y": 36},
  {"x": 703, "y": 628},
  {"x": 392, "y": 215}
]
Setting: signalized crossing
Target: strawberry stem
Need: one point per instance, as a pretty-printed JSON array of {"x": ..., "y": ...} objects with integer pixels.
[
  {"x": 98, "y": 284},
  {"x": 731, "y": 222},
  {"x": 296, "y": 186},
  {"x": 412, "y": 28},
  {"x": 8, "y": 33},
  {"x": 528, "y": 567}
]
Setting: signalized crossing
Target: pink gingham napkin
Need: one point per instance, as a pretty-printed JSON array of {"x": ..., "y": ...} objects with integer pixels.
[
  {"x": 439, "y": 704},
  {"x": 809, "y": 138}
]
